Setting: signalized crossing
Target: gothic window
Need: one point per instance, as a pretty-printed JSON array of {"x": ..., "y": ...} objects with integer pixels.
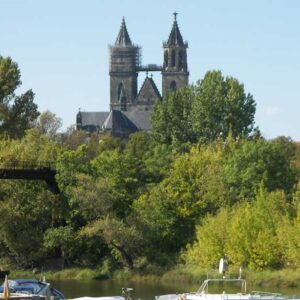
[
  {"x": 180, "y": 60},
  {"x": 166, "y": 58},
  {"x": 173, "y": 61},
  {"x": 173, "y": 86},
  {"x": 120, "y": 88},
  {"x": 123, "y": 103}
]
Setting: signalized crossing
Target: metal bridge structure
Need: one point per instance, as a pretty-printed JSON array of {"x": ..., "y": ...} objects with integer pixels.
[
  {"x": 27, "y": 170},
  {"x": 150, "y": 68}
]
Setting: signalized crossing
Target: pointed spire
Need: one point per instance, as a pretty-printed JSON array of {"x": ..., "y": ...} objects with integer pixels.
[
  {"x": 123, "y": 39},
  {"x": 175, "y": 37},
  {"x": 175, "y": 15}
]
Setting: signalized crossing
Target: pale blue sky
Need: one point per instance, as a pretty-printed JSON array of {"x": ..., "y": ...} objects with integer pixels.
[{"x": 61, "y": 47}]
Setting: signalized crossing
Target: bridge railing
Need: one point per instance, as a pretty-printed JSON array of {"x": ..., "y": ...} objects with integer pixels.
[{"x": 26, "y": 165}]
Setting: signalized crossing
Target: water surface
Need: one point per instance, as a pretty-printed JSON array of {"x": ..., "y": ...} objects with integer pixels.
[{"x": 142, "y": 290}]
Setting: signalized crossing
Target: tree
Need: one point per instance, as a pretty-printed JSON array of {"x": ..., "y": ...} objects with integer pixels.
[
  {"x": 62, "y": 238},
  {"x": 288, "y": 233},
  {"x": 120, "y": 174},
  {"x": 214, "y": 108},
  {"x": 26, "y": 212},
  {"x": 221, "y": 106},
  {"x": 122, "y": 237},
  {"x": 171, "y": 119},
  {"x": 48, "y": 123},
  {"x": 10, "y": 78},
  {"x": 169, "y": 212},
  {"x": 252, "y": 231},
  {"x": 17, "y": 113},
  {"x": 247, "y": 233},
  {"x": 256, "y": 162},
  {"x": 155, "y": 159},
  {"x": 209, "y": 245}
]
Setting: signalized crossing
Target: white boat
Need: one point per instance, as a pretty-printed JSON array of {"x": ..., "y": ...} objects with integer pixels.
[
  {"x": 100, "y": 298},
  {"x": 126, "y": 295},
  {"x": 29, "y": 289},
  {"x": 208, "y": 292}
]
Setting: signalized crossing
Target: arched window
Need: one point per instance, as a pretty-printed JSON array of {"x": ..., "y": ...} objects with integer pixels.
[
  {"x": 166, "y": 59},
  {"x": 173, "y": 86},
  {"x": 173, "y": 61},
  {"x": 180, "y": 60},
  {"x": 122, "y": 96},
  {"x": 123, "y": 103},
  {"x": 120, "y": 88}
]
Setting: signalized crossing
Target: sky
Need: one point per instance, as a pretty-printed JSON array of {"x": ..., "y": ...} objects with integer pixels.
[{"x": 61, "y": 47}]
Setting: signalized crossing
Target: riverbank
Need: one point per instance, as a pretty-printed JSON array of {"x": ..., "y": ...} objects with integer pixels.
[{"x": 285, "y": 278}]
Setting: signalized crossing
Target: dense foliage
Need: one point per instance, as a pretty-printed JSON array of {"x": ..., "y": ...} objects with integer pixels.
[
  {"x": 17, "y": 113},
  {"x": 203, "y": 184},
  {"x": 214, "y": 108},
  {"x": 138, "y": 203}
]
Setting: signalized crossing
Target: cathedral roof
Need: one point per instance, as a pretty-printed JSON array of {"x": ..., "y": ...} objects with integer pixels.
[
  {"x": 141, "y": 119},
  {"x": 118, "y": 122},
  {"x": 175, "y": 37},
  {"x": 123, "y": 39},
  {"x": 149, "y": 90},
  {"x": 91, "y": 121}
]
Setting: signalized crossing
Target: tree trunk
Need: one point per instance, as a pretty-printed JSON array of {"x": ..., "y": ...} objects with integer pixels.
[{"x": 125, "y": 256}]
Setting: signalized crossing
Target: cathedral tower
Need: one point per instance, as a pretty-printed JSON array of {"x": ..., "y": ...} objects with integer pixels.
[
  {"x": 175, "y": 71},
  {"x": 124, "y": 61}
]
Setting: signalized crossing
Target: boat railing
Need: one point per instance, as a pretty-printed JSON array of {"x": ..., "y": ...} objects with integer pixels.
[{"x": 204, "y": 287}]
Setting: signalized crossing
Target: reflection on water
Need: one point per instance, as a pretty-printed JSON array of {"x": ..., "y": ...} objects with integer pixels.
[{"x": 142, "y": 290}]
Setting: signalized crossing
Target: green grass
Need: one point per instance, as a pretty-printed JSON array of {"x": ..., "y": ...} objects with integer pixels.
[
  {"x": 285, "y": 278},
  {"x": 70, "y": 273}
]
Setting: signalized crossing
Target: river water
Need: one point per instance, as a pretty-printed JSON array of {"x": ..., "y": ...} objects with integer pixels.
[{"x": 142, "y": 290}]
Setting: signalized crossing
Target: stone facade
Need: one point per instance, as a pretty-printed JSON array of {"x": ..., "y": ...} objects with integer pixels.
[
  {"x": 134, "y": 107},
  {"x": 175, "y": 73}
]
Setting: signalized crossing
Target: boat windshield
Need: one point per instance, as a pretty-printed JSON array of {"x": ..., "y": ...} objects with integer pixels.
[
  {"x": 222, "y": 286},
  {"x": 26, "y": 286}
]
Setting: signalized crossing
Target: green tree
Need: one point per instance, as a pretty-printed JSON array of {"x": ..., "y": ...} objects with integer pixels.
[
  {"x": 213, "y": 109},
  {"x": 247, "y": 233},
  {"x": 17, "y": 113},
  {"x": 171, "y": 209},
  {"x": 125, "y": 175},
  {"x": 63, "y": 239},
  {"x": 288, "y": 233},
  {"x": 26, "y": 212},
  {"x": 221, "y": 106},
  {"x": 211, "y": 237},
  {"x": 256, "y": 162},
  {"x": 104, "y": 199},
  {"x": 252, "y": 232},
  {"x": 155, "y": 159},
  {"x": 27, "y": 207},
  {"x": 124, "y": 239},
  {"x": 48, "y": 123},
  {"x": 10, "y": 78},
  {"x": 171, "y": 119}
]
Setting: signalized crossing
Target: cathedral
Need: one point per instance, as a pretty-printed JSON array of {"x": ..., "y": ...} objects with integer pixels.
[{"x": 130, "y": 109}]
